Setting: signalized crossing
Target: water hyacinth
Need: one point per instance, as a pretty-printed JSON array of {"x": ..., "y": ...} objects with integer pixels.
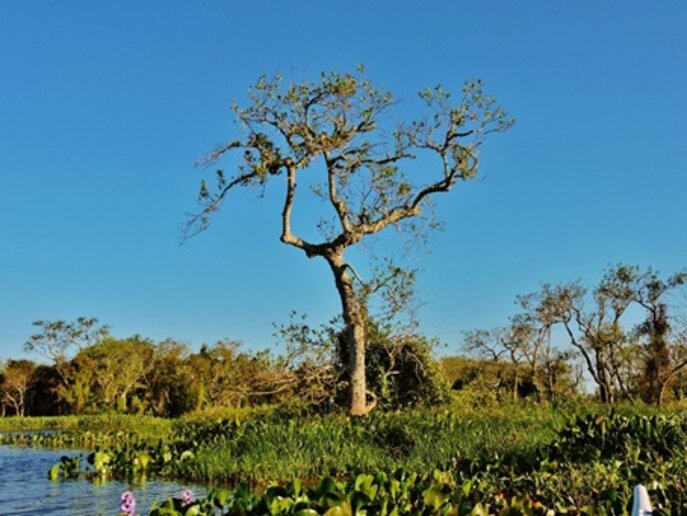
[
  {"x": 187, "y": 497},
  {"x": 128, "y": 503}
]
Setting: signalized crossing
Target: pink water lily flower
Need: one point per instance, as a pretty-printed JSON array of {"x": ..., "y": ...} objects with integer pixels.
[
  {"x": 187, "y": 497},
  {"x": 128, "y": 503}
]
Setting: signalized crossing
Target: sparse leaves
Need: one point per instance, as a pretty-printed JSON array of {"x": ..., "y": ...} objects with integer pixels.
[
  {"x": 56, "y": 338},
  {"x": 624, "y": 361},
  {"x": 340, "y": 119}
]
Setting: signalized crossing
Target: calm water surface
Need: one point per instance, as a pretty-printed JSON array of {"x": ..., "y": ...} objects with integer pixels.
[{"x": 26, "y": 489}]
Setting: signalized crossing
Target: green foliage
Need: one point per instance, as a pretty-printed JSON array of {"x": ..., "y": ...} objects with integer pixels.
[
  {"x": 509, "y": 459},
  {"x": 400, "y": 492},
  {"x": 589, "y": 467},
  {"x": 67, "y": 468},
  {"x": 480, "y": 383},
  {"x": 83, "y": 426},
  {"x": 401, "y": 369}
]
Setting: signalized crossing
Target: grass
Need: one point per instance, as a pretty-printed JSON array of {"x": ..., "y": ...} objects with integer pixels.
[
  {"x": 143, "y": 425},
  {"x": 264, "y": 445},
  {"x": 270, "y": 449},
  {"x": 564, "y": 456}
]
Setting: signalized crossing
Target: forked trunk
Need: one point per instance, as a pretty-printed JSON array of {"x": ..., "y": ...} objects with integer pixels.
[{"x": 354, "y": 335}]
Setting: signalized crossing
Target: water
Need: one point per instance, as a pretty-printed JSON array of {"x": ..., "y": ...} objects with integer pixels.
[{"x": 26, "y": 489}]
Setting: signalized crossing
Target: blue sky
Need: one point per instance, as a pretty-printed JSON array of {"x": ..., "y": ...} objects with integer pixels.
[{"x": 105, "y": 106}]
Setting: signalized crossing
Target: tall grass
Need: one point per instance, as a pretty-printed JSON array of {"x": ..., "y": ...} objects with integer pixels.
[
  {"x": 273, "y": 449},
  {"x": 267, "y": 444}
]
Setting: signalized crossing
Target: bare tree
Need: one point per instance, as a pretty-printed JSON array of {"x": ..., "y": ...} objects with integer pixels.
[
  {"x": 612, "y": 353},
  {"x": 596, "y": 333},
  {"x": 338, "y": 123}
]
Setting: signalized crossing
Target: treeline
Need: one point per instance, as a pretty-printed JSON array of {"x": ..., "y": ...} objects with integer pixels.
[
  {"x": 565, "y": 339},
  {"x": 90, "y": 371},
  {"x": 626, "y": 336}
]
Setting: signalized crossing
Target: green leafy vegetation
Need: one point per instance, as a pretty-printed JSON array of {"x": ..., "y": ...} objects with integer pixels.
[
  {"x": 564, "y": 341},
  {"x": 508, "y": 429},
  {"x": 575, "y": 459}
]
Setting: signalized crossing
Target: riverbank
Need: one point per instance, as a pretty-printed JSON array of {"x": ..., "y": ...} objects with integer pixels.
[
  {"x": 264, "y": 445},
  {"x": 568, "y": 456}
]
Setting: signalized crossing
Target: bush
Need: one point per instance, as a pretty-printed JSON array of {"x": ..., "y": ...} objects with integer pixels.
[{"x": 400, "y": 369}]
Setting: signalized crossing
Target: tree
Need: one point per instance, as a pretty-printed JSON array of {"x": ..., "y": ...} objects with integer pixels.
[
  {"x": 400, "y": 367},
  {"x": 57, "y": 338},
  {"x": 44, "y": 398},
  {"x": 224, "y": 376},
  {"x": 15, "y": 381},
  {"x": 535, "y": 366},
  {"x": 56, "y": 341},
  {"x": 338, "y": 123},
  {"x": 663, "y": 358},
  {"x": 596, "y": 333},
  {"x": 167, "y": 384},
  {"x": 623, "y": 363},
  {"x": 513, "y": 341},
  {"x": 111, "y": 370}
]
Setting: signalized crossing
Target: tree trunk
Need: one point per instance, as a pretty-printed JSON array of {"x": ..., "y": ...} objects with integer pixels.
[
  {"x": 658, "y": 364},
  {"x": 515, "y": 384},
  {"x": 552, "y": 385},
  {"x": 605, "y": 390},
  {"x": 353, "y": 334}
]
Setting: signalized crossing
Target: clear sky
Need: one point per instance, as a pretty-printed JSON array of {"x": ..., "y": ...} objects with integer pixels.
[{"x": 105, "y": 106}]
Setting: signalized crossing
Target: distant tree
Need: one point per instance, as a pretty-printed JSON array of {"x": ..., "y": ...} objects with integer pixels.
[
  {"x": 338, "y": 124},
  {"x": 15, "y": 381},
  {"x": 596, "y": 334},
  {"x": 44, "y": 399},
  {"x": 535, "y": 368},
  {"x": 488, "y": 345},
  {"x": 113, "y": 369},
  {"x": 77, "y": 389},
  {"x": 167, "y": 384},
  {"x": 664, "y": 358},
  {"x": 551, "y": 368},
  {"x": 596, "y": 326},
  {"x": 58, "y": 341},
  {"x": 222, "y": 375},
  {"x": 676, "y": 384}
]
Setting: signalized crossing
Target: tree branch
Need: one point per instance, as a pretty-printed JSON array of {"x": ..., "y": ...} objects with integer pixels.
[
  {"x": 287, "y": 235},
  {"x": 199, "y": 222},
  {"x": 339, "y": 204}
]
